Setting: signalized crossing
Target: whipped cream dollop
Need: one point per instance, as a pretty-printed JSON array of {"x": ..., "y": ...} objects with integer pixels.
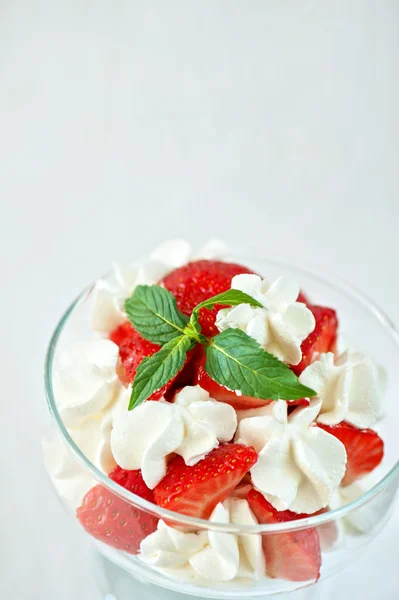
[
  {"x": 144, "y": 437},
  {"x": 367, "y": 516},
  {"x": 299, "y": 465},
  {"x": 85, "y": 380},
  {"x": 71, "y": 480},
  {"x": 92, "y": 436},
  {"x": 281, "y": 326},
  {"x": 347, "y": 386},
  {"x": 107, "y": 306},
  {"x": 220, "y": 559},
  {"x": 250, "y": 545},
  {"x": 211, "y": 555},
  {"x": 191, "y": 426},
  {"x": 169, "y": 548}
]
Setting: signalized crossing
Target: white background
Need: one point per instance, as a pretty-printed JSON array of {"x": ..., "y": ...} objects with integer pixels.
[{"x": 123, "y": 123}]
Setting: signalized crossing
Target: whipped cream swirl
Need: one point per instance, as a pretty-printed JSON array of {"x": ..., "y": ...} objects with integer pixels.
[
  {"x": 250, "y": 545},
  {"x": 169, "y": 548},
  {"x": 347, "y": 386},
  {"x": 281, "y": 326},
  {"x": 211, "y": 555},
  {"x": 299, "y": 465},
  {"x": 220, "y": 558},
  {"x": 85, "y": 380},
  {"x": 92, "y": 435},
  {"x": 191, "y": 426},
  {"x": 69, "y": 478},
  {"x": 367, "y": 516}
]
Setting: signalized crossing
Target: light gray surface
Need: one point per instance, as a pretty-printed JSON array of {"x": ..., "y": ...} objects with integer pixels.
[{"x": 123, "y": 123}]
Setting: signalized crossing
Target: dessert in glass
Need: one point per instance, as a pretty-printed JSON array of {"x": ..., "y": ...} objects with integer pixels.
[{"x": 221, "y": 423}]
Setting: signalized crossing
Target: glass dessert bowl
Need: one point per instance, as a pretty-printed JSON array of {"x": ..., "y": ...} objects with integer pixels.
[{"x": 256, "y": 542}]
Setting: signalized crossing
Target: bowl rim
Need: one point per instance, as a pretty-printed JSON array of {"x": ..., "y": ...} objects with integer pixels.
[{"x": 317, "y": 272}]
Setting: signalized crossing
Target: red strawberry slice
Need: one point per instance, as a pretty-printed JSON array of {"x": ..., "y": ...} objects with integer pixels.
[
  {"x": 196, "y": 490},
  {"x": 242, "y": 490},
  {"x": 322, "y": 339},
  {"x": 114, "y": 521},
  {"x": 293, "y": 404},
  {"x": 188, "y": 374},
  {"x": 132, "y": 349},
  {"x": 122, "y": 332},
  {"x": 199, "y": 280},
  {"x": 222, "y": 394},
  {"x": 302, "y": 298},
  {"x": 293, "y": 555},
  {"x": 364, "y": 449}
]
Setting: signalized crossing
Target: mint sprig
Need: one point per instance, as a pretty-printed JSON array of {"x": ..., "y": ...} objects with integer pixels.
[
  {"x": 231, "y": 297},
  {"x": 155, "y": 371},
  {"x": 233, "y": 359},
  {"x": 236, "y": 360},
  {"x": 154, "y": 314}
]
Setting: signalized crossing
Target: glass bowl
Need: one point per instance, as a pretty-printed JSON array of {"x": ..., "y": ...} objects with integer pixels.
[{"x": 344, "y": 531}]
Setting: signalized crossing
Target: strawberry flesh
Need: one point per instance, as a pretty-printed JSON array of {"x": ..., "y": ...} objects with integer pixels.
[
  {"x": 242, "y": 490},
  {"x": 199, "y": 280},
  {"x": 322, "y": 339},
  {"x": 121, "y": 333},
  {"x": 187, "y": 375},
  {"x": 132, "y": 349},
  {"x": 364, "y": 449},
  {"x": 302, "y": 298},
  {"x": 114, "y": 521},
  {"x": 293, "y": 555},
  {"x": 196, "y": 490}
]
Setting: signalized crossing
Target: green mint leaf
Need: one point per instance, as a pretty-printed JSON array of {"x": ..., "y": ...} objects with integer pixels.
[
  {"x": 193, "y": 331},
  {"x": 155, "y": 371},
  {"x": 231, "y": 298},
  {"x": 153, "y": 312},
  {"x": 238, "y": 362}
]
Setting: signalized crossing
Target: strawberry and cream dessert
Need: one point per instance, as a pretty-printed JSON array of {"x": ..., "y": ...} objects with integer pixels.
[{"x": 216, "y": 393}]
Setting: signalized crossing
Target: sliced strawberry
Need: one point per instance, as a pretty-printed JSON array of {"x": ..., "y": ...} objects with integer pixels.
[
  {"x": 196, "y": 490},
  {"x": 199, "y": 280},
  {"x": 132, "y": 349},
  {"x": 322, "y": 339},
  {"x": 242, "y": 490},
  {"x": 114, "y": 521},
  {"x": 293, "y": 404},
  {"x": 293, "y": 555},
  {"x": 187, "y": 375},
  {"x": 302, "y": 298},
  {"x": 364, "y": 449},
  {"x": 122, "y": 332},
  {"x": 222, "y": 394},
  {"x": 132, "y": 481}
]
